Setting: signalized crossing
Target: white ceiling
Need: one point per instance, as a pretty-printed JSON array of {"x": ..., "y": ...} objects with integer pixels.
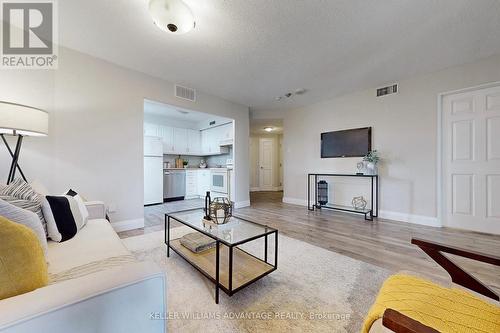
[
  {"x": 250, "y": 51},
  {"x": 170, "y": 112}
]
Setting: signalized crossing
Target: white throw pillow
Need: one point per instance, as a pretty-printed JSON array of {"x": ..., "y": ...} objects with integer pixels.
[
  {"x": 81, "y": 204},
  {"x": 63, "y": 216}
]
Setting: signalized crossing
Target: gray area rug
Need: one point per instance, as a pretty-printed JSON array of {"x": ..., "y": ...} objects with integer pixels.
[{"x": 313, "y": 290}]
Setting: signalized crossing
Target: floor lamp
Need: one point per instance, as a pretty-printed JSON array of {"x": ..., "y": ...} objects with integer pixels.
[{"x": 20, "y": 120}]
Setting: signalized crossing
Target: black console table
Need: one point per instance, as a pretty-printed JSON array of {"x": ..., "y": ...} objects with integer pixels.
[{"x": 368, "y": 212}]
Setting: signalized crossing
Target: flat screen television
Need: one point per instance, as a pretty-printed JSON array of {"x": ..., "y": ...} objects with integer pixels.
[{"x": 355, "y": 142}]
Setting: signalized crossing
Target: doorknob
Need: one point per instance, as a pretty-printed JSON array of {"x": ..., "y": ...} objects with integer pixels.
[{"x": 262, "y": 167}]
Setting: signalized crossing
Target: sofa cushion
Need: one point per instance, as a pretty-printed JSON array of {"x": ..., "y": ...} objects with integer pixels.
[
  {"x": 24, "y": 217},
  {"x": 22, "y": 263},
  {"x": 94, "y": 242}
]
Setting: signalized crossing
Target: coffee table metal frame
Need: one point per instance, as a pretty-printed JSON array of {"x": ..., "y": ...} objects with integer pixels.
[{"x": 229, "y": 291}]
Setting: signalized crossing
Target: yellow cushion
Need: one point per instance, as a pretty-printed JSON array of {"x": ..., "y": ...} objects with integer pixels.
[
  {"x": 22, "y": 263},
  {"x": 444, "y": 309}
]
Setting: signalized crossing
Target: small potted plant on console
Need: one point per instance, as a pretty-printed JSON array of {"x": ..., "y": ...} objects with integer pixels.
[{"x": 371, "y": 160}]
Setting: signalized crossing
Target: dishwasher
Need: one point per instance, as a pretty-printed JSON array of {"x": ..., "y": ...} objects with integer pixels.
[{"x": 174, "y": 185}]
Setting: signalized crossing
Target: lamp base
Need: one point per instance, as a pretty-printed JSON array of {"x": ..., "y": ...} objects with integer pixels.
[{"x": 15, "y": 158}]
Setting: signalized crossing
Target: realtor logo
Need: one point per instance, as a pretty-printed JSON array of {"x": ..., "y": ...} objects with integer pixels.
[{"x": 29, "y": 34}]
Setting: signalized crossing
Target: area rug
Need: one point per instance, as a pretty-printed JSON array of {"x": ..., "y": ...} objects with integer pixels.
[{"x": 313, "y": 290}]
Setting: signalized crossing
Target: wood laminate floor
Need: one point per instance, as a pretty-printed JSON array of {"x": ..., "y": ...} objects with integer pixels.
[{"x": 382, "y": 242}]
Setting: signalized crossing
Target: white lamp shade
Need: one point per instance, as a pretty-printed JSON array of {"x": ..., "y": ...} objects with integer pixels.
[{"x": 17, "y": 119}]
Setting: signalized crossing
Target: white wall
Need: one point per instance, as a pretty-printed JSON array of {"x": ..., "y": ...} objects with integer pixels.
[
  {"x": 161, "y": 120},
  {"x": 255, "y": 160},
  {"x": 404, "y": 132},
  {"x": 96, "y": 120}
]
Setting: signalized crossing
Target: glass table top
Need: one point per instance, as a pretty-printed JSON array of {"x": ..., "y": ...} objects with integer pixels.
[{"x": 235, "y": 231}]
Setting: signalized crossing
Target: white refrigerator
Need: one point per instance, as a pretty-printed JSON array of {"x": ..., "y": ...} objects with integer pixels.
[{"x": 153, "y": 170}]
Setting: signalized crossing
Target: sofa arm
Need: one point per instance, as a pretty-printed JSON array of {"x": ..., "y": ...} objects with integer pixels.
[
  {"x": 97, "y": 209},
  {"x": 121, "y": 299}
]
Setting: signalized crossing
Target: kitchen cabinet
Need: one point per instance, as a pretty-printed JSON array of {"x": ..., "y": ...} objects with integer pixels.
[
  {"x": 183, "y": 141},
  {"x": 211, "y": 139},
  {"x": 193, "y": 141},
  {"x": 151, "y": 130},
  {"x": 207, "y": 141},
  {"x": 203, "y": 176},
  {"x": 167, "y": 135},
  {"x": 226, "y": 132},
  {"x": 191, "y": 184},
  {"x": 180, "y": 141},
  {"x": 153, "y": 146}
]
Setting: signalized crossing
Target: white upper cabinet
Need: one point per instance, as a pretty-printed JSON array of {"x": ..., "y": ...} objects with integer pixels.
[
  {"x": 207, "y": 139},
  {"x": 151, "y": 130},
  {"x": 194, "y": 141},
  {"x": 227, "y": 132},
  {"x": 183, "y": 141},
  {"x": 167, "y": 135},
  {"x": 212, "y": 138},
  {"x": 180, "y": 140}
]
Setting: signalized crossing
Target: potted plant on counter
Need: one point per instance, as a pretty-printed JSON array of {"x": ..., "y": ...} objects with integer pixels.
[
  {"x": 371, "y": 160},
  {"x": 185, "y": 163}
]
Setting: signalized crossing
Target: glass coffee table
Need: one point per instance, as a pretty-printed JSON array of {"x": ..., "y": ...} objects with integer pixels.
[{"x": 228, "y": 266}]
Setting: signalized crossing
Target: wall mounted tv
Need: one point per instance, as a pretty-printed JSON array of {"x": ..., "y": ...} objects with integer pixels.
[{"x": 346, "y": 143}]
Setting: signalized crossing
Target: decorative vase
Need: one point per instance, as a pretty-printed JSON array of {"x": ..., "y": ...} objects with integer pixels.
[
  {"x": 359, "y": 203},
  {"x": 371, "y": 168}
]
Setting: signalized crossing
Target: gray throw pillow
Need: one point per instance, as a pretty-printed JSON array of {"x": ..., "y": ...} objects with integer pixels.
[
  {"x": 21, "y": 194},
  {"x": 24, "y": 217}
]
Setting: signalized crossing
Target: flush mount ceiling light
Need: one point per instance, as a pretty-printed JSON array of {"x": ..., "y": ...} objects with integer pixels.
[
  {"x": 172, "y": 16},
  {"x": 268, "y": 129}
]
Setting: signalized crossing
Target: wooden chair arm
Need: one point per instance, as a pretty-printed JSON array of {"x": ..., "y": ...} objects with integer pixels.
[
  {"x": 457, "y": 274},
  {"x": 399, "y": 323},
  {"x": 486, "y": 258}
]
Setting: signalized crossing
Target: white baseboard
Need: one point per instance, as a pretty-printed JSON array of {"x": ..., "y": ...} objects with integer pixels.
[
  {"x": 128, "y": 225},
  {"x": 242, "y": 204},
  {"x": 396, "y": 216},
  {"x": 295, "y": 201},
  {"x": 254, "y": 189},
  {"x": 410, "y": 218}
]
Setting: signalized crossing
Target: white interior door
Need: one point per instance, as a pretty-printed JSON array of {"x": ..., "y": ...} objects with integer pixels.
[
  {"x": 266, "y": 161},
  {"x": 471, "y": 160}
]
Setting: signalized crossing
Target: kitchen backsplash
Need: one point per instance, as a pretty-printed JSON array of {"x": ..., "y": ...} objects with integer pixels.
[
  {"x": 194, "y": 161},
  {"x": 219, "y": 159}
]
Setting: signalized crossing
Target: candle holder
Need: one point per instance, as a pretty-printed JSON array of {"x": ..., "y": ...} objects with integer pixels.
[{"x": 208, "y": 201}]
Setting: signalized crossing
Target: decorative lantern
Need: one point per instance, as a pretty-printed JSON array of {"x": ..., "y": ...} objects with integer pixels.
[
  {"x": 220, "y": 210},
  {"x": 322, "y": 192}
]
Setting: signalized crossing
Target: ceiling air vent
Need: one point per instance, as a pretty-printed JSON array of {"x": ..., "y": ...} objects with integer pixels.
[
  {"x": 185, "y": 93},
  {"x": 387, "y": 90}
]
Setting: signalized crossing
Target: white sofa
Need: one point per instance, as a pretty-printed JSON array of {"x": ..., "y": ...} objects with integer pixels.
[{"x": 122, "y": 297}]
